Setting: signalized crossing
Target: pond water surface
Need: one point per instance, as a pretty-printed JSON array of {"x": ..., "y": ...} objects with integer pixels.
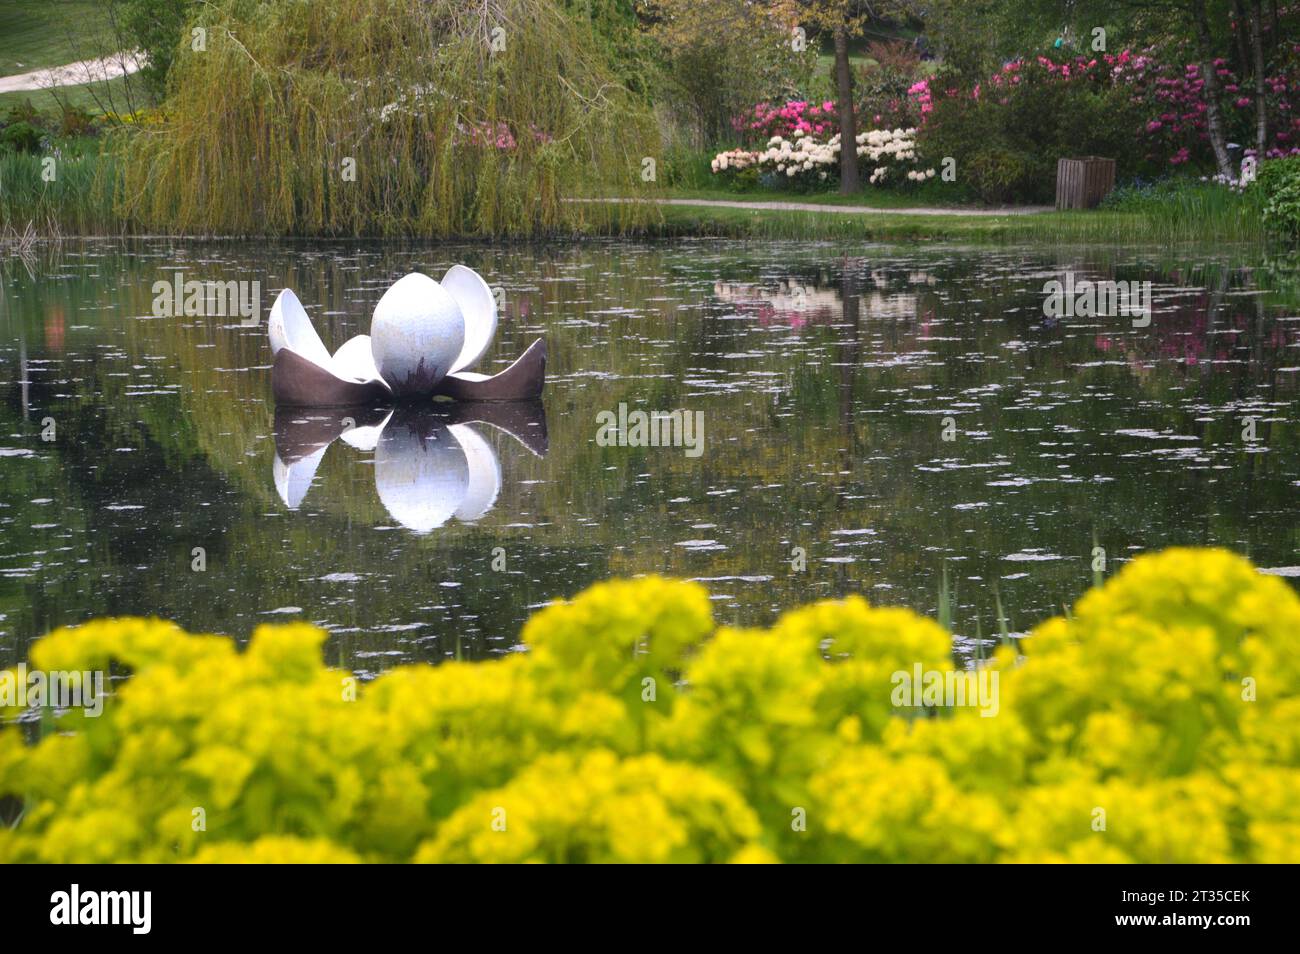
[{"x": 888, "y": 417}]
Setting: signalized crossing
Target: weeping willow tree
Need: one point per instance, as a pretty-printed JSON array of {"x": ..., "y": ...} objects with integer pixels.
[{"x": 388, "y": 117}]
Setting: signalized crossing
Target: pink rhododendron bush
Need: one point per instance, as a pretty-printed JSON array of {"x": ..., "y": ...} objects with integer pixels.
[
  {"x": 1159, "y": 722},
  {"x": 1147, "y": 110}
]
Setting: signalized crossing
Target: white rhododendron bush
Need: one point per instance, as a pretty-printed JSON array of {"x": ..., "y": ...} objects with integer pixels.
[{"x": 802, "y": 161}]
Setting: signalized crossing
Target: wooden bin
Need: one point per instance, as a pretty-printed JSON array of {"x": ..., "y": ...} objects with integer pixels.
[{"x": 1082, "y": 183}]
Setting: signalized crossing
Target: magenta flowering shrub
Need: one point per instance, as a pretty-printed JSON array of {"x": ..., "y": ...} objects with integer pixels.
[
  {"x": 1161, "y": 93},
  {"x": 786, "y": 119},
  {"x": 919, "y": 93},
  {"x": 1007, "y": 132},
  {"x": 1176, "y": 131},
  {"x": 903, "y": 111}
]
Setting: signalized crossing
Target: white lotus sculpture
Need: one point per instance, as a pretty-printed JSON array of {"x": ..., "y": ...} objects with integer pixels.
[{"x": 424, "y": 337}]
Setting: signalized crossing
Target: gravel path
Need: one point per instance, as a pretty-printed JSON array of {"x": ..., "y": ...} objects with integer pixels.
[
  {"x": 73, "y": 74},
  {"x": 848, "y": 209}
]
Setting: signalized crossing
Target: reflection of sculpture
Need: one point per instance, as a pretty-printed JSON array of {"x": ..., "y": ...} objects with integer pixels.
[
  {"x": 430, "y": 466},
  {"x": 424, "y": 336}
]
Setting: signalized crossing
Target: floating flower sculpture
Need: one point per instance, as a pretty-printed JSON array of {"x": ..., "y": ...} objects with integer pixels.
[{"x": 424, "y": 337}]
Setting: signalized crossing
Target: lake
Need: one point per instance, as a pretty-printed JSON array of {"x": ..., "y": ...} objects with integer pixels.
[{"x": 904, "y": 423}]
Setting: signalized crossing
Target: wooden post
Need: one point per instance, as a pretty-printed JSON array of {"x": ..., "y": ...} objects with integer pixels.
[{"x": 1082, "y": 183}]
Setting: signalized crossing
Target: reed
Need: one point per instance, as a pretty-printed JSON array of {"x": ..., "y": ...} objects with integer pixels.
[{"x": 73, "y": 195}]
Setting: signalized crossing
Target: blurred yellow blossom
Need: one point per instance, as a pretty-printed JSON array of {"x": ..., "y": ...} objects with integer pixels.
[{"x": 1159, "y": 722}]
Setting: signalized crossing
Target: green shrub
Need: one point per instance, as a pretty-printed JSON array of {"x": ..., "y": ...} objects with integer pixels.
[
  {"x": 686, "y": 168},
  {"x": 745, "y": 180},
  {"x": 1001, "y": 175},
  {"x": 881, "y": 84},
  {"x": 23, "y": 112},
  {"x": 155, "y": 27},
  {"x": 20, "y": 137},
  {"x": 1008, "y": 139},
  {"x": 76, "y": 121},
  {"x": 1278, "y": 187},
  {"x": 988, "y": 162}
]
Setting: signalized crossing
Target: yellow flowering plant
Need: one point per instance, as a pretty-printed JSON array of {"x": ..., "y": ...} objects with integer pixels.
[{"x": 1159, "y": 722}]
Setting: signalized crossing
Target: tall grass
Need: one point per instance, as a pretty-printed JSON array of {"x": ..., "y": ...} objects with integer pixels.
[
  {"x": 388, "y": 117},
  {"x": 1233, "y": 222},
  {"x": 1187, "y": 209},
  {"x": 76, "y": 200}
]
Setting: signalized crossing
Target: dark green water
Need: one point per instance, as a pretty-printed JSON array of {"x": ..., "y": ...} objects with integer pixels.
[{"x": 824, "y": 376}]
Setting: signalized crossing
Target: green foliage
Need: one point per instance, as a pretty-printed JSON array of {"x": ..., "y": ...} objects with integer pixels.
[
  {"x": 686, "y": 168},
  {"x": 1278, "y": 187},
  {"x": 76, "y": 201},
  {"x": 744, "y": 180},
  {"x": 628, "y": 49},
  {"x": 156, "y": 27},
  {"x": 478, "y": 126},
  {"x": 881, "y": 84},
  {"x": 75, "y": 121},
  {"x": 20, "y": 137},
  {"x": 1184, "y": 204},
  {"x": 24, "y": 112},
  {"x": 1008, "y": 142},
  {"x": 720, "y": 58}
]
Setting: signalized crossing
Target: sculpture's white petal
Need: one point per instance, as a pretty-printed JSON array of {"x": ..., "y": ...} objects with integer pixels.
[
  {"x": 421, "y": 473},
  {"x": 479, "y": 306},
  {"x": 293, "y": 480},
  {"x": 484, "y": 473},
  {"x": 417, "y": 332},
  {"x": 365, "y": 438},
  {"x": 354, "y": 360},
  {"x": 290, "y": 327}
]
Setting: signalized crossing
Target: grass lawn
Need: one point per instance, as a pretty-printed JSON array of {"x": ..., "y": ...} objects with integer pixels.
[
  {"x": 1064, "y": 228},
  {"x": 874, "y": 197},
  {"x": 111, "y": 95},
  {"x": 38, "y": 33}
]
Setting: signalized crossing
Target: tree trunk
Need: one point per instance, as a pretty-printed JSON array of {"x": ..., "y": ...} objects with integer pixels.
[
  {"x": 1213, "y": 106},
  {"x": 1239, "y": 34},
  {"x": 848, "y": 129},
  {"x": 1261, "y": 105}
]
